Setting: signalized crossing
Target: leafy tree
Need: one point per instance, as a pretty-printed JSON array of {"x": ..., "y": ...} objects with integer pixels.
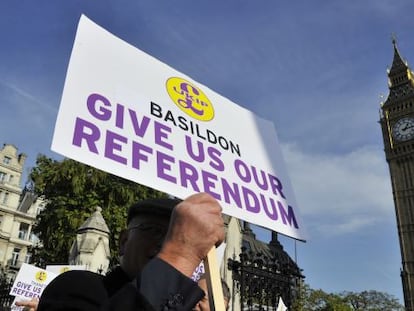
[
  {"x": 371, "y": 301},
  {"x": 73, "y": 191},
  {"x": 318, "y": 300}
]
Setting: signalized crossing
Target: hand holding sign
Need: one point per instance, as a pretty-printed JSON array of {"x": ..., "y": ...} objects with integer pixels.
[
  {"x": 26, "y": 305},
  {"x": 196, "y": 226}
]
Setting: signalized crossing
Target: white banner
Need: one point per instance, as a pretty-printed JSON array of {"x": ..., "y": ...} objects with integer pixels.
[{"x": 126, "y": 113}]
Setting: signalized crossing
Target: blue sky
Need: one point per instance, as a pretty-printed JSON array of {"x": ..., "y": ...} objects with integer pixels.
[{"x": 317, "y": 69}]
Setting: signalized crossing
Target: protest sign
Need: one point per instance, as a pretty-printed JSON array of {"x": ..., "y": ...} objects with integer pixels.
[
  {"x": 200, "y": 270},
  {"x": 125, "y": 112},
  {"x": 30, "y": 282}
]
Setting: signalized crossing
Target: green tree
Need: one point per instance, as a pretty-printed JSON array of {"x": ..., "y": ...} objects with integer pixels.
[
  {"x": 318, "y": 300},
  {"x": 372, "y": 301},
  {"x": 72, "y": 191}
]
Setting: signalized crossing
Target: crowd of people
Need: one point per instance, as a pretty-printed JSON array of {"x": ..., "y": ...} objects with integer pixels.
[{"x": 163, "y": 243}]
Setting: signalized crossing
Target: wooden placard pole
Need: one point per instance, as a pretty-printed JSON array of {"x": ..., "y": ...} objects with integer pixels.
[{"x": 215, "y": 290}]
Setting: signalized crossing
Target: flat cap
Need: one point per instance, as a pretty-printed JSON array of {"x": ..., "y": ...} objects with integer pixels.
[{"x": 158, "y": 206}]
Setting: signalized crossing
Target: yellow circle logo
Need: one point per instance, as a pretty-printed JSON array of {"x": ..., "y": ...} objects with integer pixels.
[
  {"x": 41, "y": 276},
  {"x": 190, "y": 99}
]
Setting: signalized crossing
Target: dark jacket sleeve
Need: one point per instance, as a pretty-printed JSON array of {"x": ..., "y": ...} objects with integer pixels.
[
  {"x": 165, "y": 288},
  {"x": 127, "y": 299},
  {"x": 160, "y": 287}
]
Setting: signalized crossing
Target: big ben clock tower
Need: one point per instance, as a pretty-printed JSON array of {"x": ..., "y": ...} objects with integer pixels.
[{"x": 397, "y": 123}]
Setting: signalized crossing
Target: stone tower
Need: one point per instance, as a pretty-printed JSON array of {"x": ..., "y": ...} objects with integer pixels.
[
  {"x": 91, "y": 247},
  {"x": 397, "y": 123}
]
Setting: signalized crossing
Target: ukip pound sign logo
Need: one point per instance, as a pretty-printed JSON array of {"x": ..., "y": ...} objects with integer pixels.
[
  {"x": 190, "y": 99},
  {"x": 41, "y": 276}
]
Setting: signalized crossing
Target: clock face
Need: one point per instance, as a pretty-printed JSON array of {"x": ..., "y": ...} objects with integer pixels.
[{"x": 403, "y": 129}]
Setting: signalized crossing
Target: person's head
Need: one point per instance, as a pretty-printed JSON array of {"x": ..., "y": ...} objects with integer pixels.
[
  {"x": 62, "y": 293},
  {"x": 147, "y": 225},
  {"x": 203, "y": 304}
]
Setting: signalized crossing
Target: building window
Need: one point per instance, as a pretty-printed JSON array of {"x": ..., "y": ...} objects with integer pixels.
[
  {"x": 11, "y": 178},
  {"x": 5, "y": 198},
  {"x": 23, "y": 231},
  {"x": 3, "y": 177},
  {"x": 27, "y": 258},
  {"x": 33, "y": 238},
  {"x": 6, "y": 160},
  {"x": 38, "y": 210},
  {"x": 15, "y": 257}
]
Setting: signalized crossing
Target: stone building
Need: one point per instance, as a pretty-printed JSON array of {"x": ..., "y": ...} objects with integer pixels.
[
  {"x": 91, "y": 245},
  {"x": 18, "y": 210}
]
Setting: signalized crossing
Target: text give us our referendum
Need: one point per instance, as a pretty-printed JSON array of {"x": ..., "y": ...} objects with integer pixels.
[{"x": 119, "y": 147}]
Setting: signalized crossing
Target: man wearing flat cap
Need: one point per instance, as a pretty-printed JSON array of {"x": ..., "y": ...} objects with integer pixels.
[
  {"x": 147, "y": 225},
  {"x": 165, "y": 240}
]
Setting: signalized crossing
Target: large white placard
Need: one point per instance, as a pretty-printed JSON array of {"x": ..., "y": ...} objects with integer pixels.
[{"x": 127, "y": 113}]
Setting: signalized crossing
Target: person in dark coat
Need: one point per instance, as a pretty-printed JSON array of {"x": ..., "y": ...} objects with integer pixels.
[
  {"x": 164, "y": 242},
  {"x": 147, "y": 224}
]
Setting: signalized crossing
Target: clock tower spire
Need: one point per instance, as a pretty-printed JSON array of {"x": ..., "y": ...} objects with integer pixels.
[
  {"x": 397, "y": 124},
  {"x": 400, "y": 73}
]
